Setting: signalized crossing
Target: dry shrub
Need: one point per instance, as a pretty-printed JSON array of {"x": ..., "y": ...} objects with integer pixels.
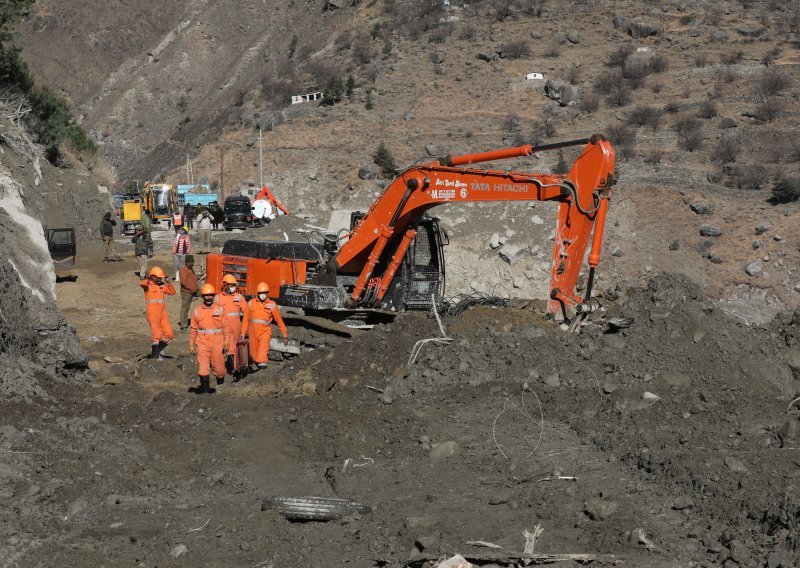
[
  {"x": 772, "y": 82},
  {"x": 363, "y": 51},
  {"x": 659, "y": 64},
  {"x": 645, "y": 115},
  {"x": 731, "y": 57},
  {"x": 516, "y": 49},
  {"x": 690, "y": 138},
  {"x": 621, "y": 135},
  {"x": 726, "y": 150},
  {"x": 701, "y": 59},
  {"x": 533, "y": 8},
  {"x": 769, "y": 109},
  {"x": 468, "y": 32},
  {"x": 589, "y": 103},
  {"x": 708, "y": 109},
  {"x": 617, "y": 57},
  {"x": 749, "y": 176}
]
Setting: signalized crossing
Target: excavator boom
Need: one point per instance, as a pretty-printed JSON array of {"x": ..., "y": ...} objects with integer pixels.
[{"x": 582, "y": 195}]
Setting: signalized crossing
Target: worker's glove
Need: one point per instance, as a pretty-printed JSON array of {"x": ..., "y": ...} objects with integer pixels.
[
  {"x": 285, "y": 341},
  {"x": 192, "y": 349}
]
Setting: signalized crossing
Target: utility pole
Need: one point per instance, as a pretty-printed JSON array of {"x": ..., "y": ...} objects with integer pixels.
[
  {"x": 261, "y": 156},
  {"x": 222, "y": 174}
]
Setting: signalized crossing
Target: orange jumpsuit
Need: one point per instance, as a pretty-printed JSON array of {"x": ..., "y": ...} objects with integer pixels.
[
  {"x": 235, "y": 310},
  {"x": 260, "y": 316},
  {"x": 208, "y": 334},
  {"x": 156, "y": 311}
]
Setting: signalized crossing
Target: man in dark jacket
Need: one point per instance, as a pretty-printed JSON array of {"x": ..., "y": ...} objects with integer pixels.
[
  {"x": 107, "y": 231},
  {"x": 141, "y": 249}
]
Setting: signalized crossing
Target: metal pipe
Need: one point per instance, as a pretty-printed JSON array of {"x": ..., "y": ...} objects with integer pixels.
[
  {"x": 397, "y": 258},
  {"x": 506, "y": 153},
  {"x": 374, "y": 257}
]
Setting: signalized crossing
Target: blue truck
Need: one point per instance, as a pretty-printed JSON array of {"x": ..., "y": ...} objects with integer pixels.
[{"x": 195, "y": 194}]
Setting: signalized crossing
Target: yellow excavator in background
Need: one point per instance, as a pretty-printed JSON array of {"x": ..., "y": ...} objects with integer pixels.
[{"x": 160, "y": 200}]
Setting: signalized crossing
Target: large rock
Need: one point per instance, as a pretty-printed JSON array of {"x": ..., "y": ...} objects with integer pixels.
[
  {"x": 619, "y": 22},
  {"x": 763, "y": 227},
  {"x": 639, "y": 30},
  {"x": 573, "y": 36},
  {"x": 701, "y": 208},
  {"x": 638, "y": 64},
  {"x": 511, "y": 253},
  {"x": 753, "y": 268},
  {"x": 437, "y": 58},
  {"x": 563, "y": 92},
  {"x": 368, "y": 172},
  {"x": 709, "y": 230},
  {"x": 751, "y": 30}
]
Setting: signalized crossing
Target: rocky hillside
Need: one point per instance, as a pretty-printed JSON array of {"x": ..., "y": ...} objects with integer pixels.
[
  {"x": 699, "y": 98},
  {"x": 35, "y": 339}
]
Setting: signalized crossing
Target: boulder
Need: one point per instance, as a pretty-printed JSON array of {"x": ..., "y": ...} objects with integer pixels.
[
  {"x": 563, "y": 92},
  {"x": 709, "y": 230},
  {"x": 437, "y": 58},
  {"x": 763, "y": 227},
  {"x": 573, "y": 36},
  {"x": 489, "y": 57},
  {"x": 640, "y": 30},
  {"x": 727, "y": 123},
  {"x": 368, "y": 172},
  {"x": 619, "y": 22},
  {"x": 719, "y": 35},
  {"x": 511, "y": 253},
  {"x": 444, "y": 450},
  {"x": 751, "y": 30},
  {"x": 753, "y": 268},
  {"x": 701, "y": 208},
  {"x": 638, "y": 63},
  {"x": 432, "y": 150},
  {"x": 560, "y": 38},
  {"x": 495, "y": 241},
  {"x": 715, "y": 258}
]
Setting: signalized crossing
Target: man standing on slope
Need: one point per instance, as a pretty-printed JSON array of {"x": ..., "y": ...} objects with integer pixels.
[
  {"x": 156, "y": 285},
  {"x": 261, "y": 313},
  {"x": 208, "y": 338},
  {"x": 235, "y": 310},
  {"x": 107, "y": 231}
]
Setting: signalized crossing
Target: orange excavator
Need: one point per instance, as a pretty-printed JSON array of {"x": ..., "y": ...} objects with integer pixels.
[{"x": 392, "y": 257}]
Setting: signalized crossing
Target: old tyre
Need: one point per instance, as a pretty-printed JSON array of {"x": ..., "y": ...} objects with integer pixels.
[{"x": 313, "y": 508}]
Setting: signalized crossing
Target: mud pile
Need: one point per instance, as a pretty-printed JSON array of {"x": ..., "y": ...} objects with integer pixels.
[{"x": 671, "y": 441}]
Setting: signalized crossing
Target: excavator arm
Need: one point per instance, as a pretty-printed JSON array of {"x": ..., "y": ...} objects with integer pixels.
[{"x": 383, "y": 235}]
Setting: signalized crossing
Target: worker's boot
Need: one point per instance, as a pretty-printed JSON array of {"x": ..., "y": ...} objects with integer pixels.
[
  {"x": 203, "y": 384},
  {"x": 210, "y": 389},
  {"x": 161, "y": 346},
  {"x": 155, "y": 351}
]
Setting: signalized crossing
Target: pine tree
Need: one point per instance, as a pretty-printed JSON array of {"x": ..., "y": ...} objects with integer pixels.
[{"x": 384, "y": 160}]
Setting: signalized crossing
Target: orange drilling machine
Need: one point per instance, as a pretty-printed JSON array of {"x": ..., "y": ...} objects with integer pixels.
[{"x": 392, "y": 258}]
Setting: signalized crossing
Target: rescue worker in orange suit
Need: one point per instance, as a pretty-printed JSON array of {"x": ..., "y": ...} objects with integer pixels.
[
  {"x": 156, "y": 286},
  {"x": 262, "y": 312},
  {"x": 235, "y": 310},
  {"x": 208, "y": 338}
]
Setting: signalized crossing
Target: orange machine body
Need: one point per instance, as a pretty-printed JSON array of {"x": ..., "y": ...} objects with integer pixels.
[{"x": 250, "y": 271}]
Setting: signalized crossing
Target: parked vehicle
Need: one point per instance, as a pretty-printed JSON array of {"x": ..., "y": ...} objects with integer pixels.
[
  {"x": 62, "y": 247},
  {"x": 131, "y": 217},
  {"x": 238, "y": 213}
]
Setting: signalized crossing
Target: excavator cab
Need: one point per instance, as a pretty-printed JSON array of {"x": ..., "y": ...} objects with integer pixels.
[{"x": 422, "y": 275}]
